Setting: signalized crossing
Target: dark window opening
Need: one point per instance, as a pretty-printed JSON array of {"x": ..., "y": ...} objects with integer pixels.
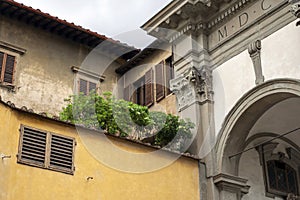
[
  {"x": 282, "y": 177},
  {"x": 7, "y": 68}
]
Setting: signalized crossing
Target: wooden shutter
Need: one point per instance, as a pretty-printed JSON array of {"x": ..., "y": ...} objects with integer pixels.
[
  {"x": 9, "y": 69},
  {"x": 160, "y": 81},
  {"x": 61, "y": 154},
  {"x": 92, "y": 87},
  {"x": 1, "y": 64},
  {"x": 169, "y": 75},
  {"x": 32, "y": 149},
  {"x": 83, "y": 86},
  {"x": 46, "y": 150},
  {"x": 149, "y": 100}
]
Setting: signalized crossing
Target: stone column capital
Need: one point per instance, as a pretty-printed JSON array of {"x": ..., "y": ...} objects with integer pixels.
[
  {"x": 236, "y": 186},
  {"x": 194, "y": 85}
]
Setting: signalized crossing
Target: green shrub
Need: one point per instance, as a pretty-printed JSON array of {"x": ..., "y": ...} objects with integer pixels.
[{"x": 127, "y": 119}]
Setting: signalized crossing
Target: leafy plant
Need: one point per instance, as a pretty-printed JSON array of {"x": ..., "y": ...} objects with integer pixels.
[{"x": 127, "y": 119}]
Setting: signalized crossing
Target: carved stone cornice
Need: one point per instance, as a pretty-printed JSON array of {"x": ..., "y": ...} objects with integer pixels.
[
  {"x": 200, "y": 12},
  {"x": 227, "y": 13}
]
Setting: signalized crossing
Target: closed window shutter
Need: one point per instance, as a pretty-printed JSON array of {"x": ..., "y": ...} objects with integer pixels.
[
  {"x": 160, "y": 88},
  {"x": 1, "y": 63},
  {"x": 61, "y": 154},
  {"x": 169, "y": 75},
  {"x": 149, "y": 100},
  {"x": 33, "y": 148},
  {"x": 83, "y": 86},
  {"x": 46, "y": 150},
  {"x": 92, "y": 87},
  {"x": 9, "y": 69}
]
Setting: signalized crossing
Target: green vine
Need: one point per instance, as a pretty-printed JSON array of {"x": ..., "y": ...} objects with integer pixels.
[{"x": 127, "y": 119}]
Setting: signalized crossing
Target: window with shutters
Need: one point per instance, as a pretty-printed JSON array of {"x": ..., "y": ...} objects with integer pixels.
[
  {"x": 86, "y": 81},
  {"x": 169, "y": 68},
  {"x": 160, "y": 81},
  {"x": 46, "y": 150},
  {"x": 164, "y": 72},
  {"x": 141, "y": 91},
  {"x": 86, "y": 87},
  {"x": 7, "y": 69}
]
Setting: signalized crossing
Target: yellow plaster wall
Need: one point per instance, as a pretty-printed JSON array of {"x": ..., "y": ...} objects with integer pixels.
[{"x": 21, "y": 182}]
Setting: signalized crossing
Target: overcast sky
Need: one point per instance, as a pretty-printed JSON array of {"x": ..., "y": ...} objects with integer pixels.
[{"x": 119, "y": 19}]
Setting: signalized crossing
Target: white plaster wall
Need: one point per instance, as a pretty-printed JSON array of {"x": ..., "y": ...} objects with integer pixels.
[
  {"x": 281, "y": 53},
  {"x": 234, "y": 78},
  {"x": 230, "y": 81}
]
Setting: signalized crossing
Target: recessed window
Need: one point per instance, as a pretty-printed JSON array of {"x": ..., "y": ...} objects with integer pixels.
[
  {"x": 282, "y": 177},
  {"x": 86, "y": 81},
  {"x": 7, "y": 68},
  {"x": 144, "y": 91},
  {"x": 141, "y": 91},
  {"x": 281, "y": 170},
  {"x": 46, "y": 150},
  {"x": 86, "y": 87}
]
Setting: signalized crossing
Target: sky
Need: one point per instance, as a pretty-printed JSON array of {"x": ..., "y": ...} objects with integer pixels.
[{"x": 118, "y": 19}]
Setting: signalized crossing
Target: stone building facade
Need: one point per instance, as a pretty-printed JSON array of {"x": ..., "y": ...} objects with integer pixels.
[
  {"x": 51, "y": 56},
  {"x": 237, "y": 76},
  {"x": 231, "y": 66}
]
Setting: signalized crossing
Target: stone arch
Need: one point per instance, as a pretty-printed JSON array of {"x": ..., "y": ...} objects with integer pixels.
[{"x": 242, "y": 117}]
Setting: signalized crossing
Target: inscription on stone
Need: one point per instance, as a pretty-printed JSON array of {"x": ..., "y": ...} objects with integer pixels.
[{"x": 242, "y": 20}]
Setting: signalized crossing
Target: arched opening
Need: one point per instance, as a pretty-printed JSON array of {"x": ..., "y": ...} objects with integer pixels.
[{"x": 266, "y": 112}]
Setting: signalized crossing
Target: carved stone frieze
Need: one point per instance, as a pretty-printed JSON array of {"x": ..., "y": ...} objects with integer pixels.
[
  {"x": 254, "y": 51},
  {"x": 194, "y": 85},
  {"x": 183, "y": 90}
]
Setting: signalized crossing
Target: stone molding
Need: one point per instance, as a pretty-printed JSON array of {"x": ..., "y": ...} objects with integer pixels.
[
  {"x": 85, "y": 72},
  {"x": 12, "y": 48},
  {"x": 233, "y": 184}
]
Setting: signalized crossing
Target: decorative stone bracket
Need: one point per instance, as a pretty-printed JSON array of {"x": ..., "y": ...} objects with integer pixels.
[
  {"x": 254, "y": 51},
  {"x": 295, "y": 9},
  {"x": 231, "y": 187},
  {"x": 193, "y": 85}
]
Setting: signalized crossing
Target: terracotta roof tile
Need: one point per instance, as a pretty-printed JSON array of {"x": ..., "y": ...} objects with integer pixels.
[{"x": 47, "y": 21}]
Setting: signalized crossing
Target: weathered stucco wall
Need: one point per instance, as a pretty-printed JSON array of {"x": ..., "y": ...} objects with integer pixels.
[
  {"x": 43, "y": 74},
  {"x": 176, "y": 181}
]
